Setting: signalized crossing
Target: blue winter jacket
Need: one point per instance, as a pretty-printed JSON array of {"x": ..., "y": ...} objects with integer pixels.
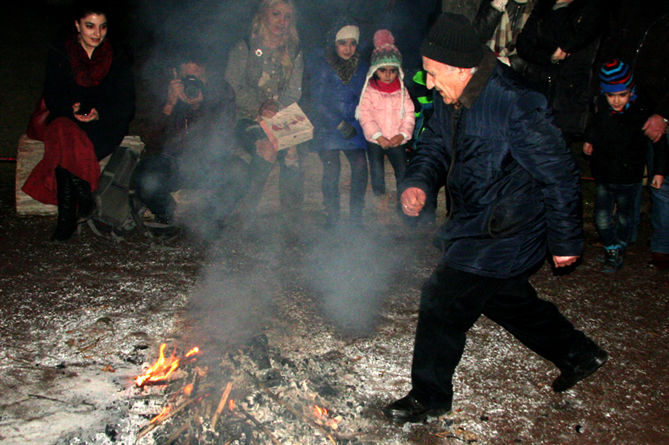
[
  {"x": 331, "y": 102},
  {"x": 513, "y": 183}
]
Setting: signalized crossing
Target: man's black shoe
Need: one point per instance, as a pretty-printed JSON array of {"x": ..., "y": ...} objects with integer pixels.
[
  {"x": 408, "y": 409},
  {"x": 567, "y": 379}
]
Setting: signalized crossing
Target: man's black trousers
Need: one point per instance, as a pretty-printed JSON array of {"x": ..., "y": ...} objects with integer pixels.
[{"x": 453, "y": 300}]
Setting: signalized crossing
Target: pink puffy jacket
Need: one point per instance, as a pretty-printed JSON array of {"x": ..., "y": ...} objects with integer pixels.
[{"x": 380, "y": 114}]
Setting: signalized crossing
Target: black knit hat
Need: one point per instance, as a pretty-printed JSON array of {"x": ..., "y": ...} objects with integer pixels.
[{"x": 452, "y": 40}]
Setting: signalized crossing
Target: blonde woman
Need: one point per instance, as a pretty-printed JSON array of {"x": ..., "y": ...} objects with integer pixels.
[{"x": 265, "y": 70}]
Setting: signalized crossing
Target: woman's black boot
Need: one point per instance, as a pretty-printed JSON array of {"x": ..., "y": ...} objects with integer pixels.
[
  {"x": 67, "y": 206},
  {"x": 85, "y": 202}
]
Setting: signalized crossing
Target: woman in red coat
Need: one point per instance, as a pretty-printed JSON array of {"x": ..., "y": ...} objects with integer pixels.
[{"x": 90, "y": 96}]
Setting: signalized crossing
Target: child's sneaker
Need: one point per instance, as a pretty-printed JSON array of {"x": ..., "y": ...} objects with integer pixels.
[{"x": 613, "y": 259}]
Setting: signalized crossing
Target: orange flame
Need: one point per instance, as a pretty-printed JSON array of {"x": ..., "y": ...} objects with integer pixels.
[
  {"x": 231, "y": 405},
  {"x": 193, "y": 351},
  {"x": 162, "y": 369},
  {"x": 320, "y": 412},
  {"x": 162, "y": 414}
]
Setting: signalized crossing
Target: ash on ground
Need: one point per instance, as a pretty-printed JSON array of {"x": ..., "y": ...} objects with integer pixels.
[{"x": 335, "y": 313}]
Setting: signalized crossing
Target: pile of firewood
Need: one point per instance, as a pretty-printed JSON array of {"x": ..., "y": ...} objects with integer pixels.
[{"x": 249, "y": 396}]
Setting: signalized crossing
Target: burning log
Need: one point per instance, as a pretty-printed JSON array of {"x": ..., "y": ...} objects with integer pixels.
[
  {"x": 164, "y": 415},
  {"x": 160, "y": 370},
  {"x": 205, "y": 417},
  {"x": 164, "y": 366},
  {"x": 221, "y": 405}
]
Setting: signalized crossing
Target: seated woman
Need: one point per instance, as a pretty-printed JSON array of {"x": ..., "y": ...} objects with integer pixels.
[
  {"x": 265, "y": 70},
  {"x": 90, "y": 95}
]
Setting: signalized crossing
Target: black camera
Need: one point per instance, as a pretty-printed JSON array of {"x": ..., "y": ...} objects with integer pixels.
[{"x": 192, "y": 86}]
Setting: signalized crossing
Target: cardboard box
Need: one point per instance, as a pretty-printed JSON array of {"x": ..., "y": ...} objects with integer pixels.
[{"x": 288, "y": 127}]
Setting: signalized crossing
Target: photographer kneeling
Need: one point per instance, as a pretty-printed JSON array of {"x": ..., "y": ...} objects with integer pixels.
[{"x": 192, "y": 136}]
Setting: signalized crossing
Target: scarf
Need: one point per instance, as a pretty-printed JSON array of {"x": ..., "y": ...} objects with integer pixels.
[
  {"x": 88, "y": 72},
  {"x": 503, "y": 41},
  {"x": 385, "y": 87},
  {"x": 345, "y": 69},
  {"x": 395, "y": 85}
]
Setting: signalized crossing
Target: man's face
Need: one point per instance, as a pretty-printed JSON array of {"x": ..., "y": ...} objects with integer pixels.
[
  {"x": 188, "y": 90},
  {"x": 193, "y": 69},
  {"x": 448, "y": 81}
]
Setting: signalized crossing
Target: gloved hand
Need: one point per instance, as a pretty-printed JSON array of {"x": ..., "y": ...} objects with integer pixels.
[{"x": 346, "y": 130}]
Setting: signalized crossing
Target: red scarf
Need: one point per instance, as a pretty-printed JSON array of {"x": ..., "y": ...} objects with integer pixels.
[
  {"x": 88, "y": 72},
  {"x": 386, "y": 87}
]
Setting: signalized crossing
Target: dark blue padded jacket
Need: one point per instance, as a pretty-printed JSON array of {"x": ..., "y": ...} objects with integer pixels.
[{"x": 513, "y": 183}]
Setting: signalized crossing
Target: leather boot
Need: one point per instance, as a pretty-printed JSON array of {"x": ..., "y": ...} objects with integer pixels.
[
  {"x": 85, "y": 202},
  {"x": 67, "y": 206}
]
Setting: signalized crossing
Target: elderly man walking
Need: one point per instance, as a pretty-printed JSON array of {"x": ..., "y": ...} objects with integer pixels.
[{"x": 515, "y": 196}]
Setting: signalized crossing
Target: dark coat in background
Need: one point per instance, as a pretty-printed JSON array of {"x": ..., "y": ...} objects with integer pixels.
[
  {"x": 576, "y": 29},
  {"x": 639, "y": 36},
  {"x": 488, "y": 20},
  {"x": 206, "y": 132},
  {"x": 513, "y": 183}
]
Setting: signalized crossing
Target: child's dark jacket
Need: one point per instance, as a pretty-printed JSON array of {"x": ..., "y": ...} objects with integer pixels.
[{"x": 620, "y": 145}]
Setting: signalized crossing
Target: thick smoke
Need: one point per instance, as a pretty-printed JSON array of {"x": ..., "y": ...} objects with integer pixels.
[
  {"x": 351, "y": 274},
  {"x": 346, "y": 274}
]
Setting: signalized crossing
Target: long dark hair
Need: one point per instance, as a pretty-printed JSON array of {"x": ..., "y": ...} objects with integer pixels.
[{"x": 83, "y": 8}]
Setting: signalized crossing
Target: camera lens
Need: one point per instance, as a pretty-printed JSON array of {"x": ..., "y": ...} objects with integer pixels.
[
  {"x": 191, "y": 91},
  {"x": 192, "y": 86}
]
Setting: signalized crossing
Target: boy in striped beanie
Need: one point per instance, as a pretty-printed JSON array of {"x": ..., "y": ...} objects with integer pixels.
[
  {"x": 617, "y": 146},
  {"x": 617, "y": 84}
]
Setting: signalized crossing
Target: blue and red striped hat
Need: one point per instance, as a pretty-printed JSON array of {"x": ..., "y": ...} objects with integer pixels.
[{"x": 616, "y": 76}]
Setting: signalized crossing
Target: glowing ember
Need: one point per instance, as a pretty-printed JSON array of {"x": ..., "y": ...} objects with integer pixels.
[
  {"x": 188, "y": 389},
  {"x": 324, "y": 417},
  {"x": 320, "y": 412},
  {"x": 164, "y": 366},
  {"x": 162, "y": 414},
  {"x": 193, "y": 351},
  {"x": 231, "y": 405}
]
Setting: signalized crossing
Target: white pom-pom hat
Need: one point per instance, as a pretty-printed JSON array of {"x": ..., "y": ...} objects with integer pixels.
[{"x": 385, "y": 54}]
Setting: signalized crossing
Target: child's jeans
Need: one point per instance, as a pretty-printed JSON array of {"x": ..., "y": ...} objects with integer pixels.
[
  {"x": 614, "y": 212},
  {"x": 398, "y": 159}
]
